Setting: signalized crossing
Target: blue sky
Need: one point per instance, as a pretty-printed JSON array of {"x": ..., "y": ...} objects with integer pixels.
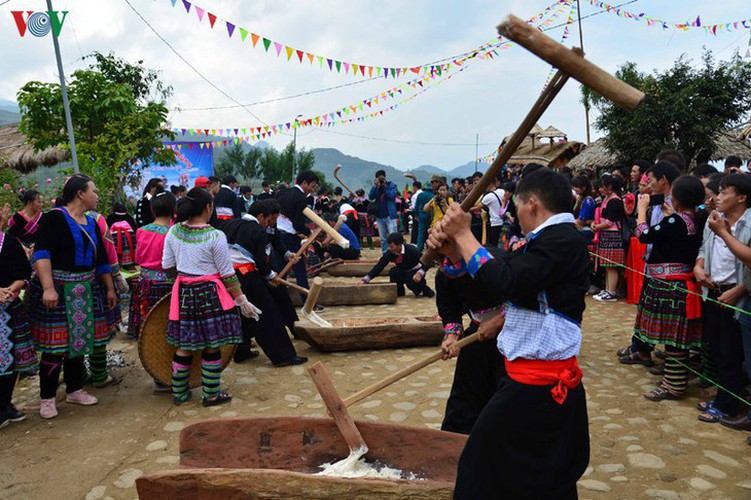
[{"x": 489, "y": 98}]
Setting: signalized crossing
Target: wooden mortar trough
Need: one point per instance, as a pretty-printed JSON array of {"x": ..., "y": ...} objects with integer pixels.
[
  {"x": 356, "y": 269},
  {"x": 372, "y": 333},
  {"x": 348, "y": 294},
  {"x": 277, "y": 458}
]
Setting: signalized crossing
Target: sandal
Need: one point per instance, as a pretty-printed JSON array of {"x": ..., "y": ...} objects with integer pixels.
[
  {"x": 626, "y": 351},
  {"x": 705, "y": 405},
  {"x": 660, "y": 394},
  {"x": 219, "y": 399},
  {"x": 657, "y": 369},
  {"x": 111, "y": 380},
  {"x": 635, "y": 359},
  {"x": 711, "y": 415}
]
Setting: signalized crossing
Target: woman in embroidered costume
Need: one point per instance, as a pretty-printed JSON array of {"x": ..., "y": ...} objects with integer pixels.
[
  {"x": 667, "y": 313},
  {"x": 154, "y": 282},
  {"x": 25, "y": 223},
  {"x": 107, "y": 319},
  {"x": 202, "y": 312},
  {"x": 123, "y": 230},
  {"x": 63, "y": 309},
  {"x": 16, "y": 347},
  {"x": 611, "y": 252}
]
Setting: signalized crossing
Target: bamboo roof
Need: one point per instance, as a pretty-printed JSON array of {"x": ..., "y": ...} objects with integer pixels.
[
  {"x": 18, "y": 154},
  {"x": 729, "y": 144},
  {"x": 594, "y": 155},
  {"x": 551, "y": 133},
  {"x": 544, "y": 152}
]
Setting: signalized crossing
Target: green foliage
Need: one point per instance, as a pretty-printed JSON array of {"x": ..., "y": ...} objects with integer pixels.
[
  {"x": 685, "y": 107},
  {"x": 12, "y": 184},
  {"x": 238, "y": 162},
  {"x": 118, "y": 128}
]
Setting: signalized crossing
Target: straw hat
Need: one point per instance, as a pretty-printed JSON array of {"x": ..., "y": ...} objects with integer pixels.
[{"x": 156, "y": 354}]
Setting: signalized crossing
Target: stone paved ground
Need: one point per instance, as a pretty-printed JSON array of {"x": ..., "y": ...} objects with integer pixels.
[{"x": 639, "y": 449}]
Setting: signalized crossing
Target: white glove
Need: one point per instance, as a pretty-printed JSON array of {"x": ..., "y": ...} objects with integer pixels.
[
  {"x": 120, "y": 284},
  {"x": 247, "y": 309}
]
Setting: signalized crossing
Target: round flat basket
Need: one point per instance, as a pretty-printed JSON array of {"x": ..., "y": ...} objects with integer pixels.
[{"x": 156, "y": 354}]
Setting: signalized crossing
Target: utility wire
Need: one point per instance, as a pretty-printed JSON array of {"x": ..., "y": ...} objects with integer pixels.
[
  {"x": 404, "y": 142},
  {"x": 204, "y": 78}
]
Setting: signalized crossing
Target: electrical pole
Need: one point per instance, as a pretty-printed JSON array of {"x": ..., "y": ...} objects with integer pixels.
[
  {"x": 294, "y": 147},
  {"x": 66, "y": 103},
  {"x": 581, "y": 45},
  {"x": 477, "y": 144}
]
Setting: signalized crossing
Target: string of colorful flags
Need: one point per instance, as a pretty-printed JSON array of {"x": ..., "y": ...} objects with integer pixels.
[
  {"x": 270, "y": 46},
  {"x": 564, "y": 37},
  {"x": 247, "y": 134},
  {"x": 685, "y": 26}
]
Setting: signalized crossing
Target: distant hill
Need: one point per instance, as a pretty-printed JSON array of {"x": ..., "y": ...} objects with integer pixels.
[{"x": 9, "y": 117}]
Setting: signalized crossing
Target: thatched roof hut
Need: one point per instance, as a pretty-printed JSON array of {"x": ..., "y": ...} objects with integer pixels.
[
  {"x": 18, "y": 154},
  {"x": 549, "y": 153},
  {"x": 593, "y": 156},
  {"x": 729, "y": 144}
]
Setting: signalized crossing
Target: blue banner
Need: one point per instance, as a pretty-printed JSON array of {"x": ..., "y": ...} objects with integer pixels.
[{"x": 192, "y": 162}]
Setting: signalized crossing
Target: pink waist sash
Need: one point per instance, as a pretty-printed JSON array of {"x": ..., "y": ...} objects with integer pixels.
[{"x": 224, "y": 296}]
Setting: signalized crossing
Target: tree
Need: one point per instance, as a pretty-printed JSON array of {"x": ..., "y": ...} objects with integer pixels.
[
  {"x": 119, "y": 119},
  {"x": 238, "y": 162},
  {"x": 276, "y": 166},
  {"x": 685, "y": 108}
]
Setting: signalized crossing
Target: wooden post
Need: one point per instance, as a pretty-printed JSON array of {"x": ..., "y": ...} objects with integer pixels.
[
  {"x": 336, "y": 407},
  {"x": 315, "y": 291},
  {"x": 299, "y": 253}
]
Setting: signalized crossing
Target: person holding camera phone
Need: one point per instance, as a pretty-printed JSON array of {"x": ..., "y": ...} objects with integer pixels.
[
  {"x": 439, "y": 204},
  {"x": 384, "y": 193}
]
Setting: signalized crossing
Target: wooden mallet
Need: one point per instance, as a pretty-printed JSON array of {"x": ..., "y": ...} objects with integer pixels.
[
  {"x": 570, "y": 62},
  {"x": 336, "y": 176},
  {"x": 310, "y": 302},
  {"x": 299, "y": 253},
  {"x": 315, "y": 219}
]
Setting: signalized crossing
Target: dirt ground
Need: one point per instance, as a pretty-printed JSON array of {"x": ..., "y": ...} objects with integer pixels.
[{"x": 639, "y": 449}]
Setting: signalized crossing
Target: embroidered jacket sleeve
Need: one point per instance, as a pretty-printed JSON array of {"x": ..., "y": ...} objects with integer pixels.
[
  {"x": 168, "y": 257},
  {"x": 666, "y": 231},
  {"x": 449, "y": 303},
  {"x": 51, "y": 231},
  {"x": 14, "y": 265}
]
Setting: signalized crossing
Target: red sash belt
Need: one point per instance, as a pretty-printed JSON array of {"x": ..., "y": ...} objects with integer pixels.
[
  {"x": 565, "y": 374},
  {"x": 225, "y": 217},
  {"x": 119, "y": 233},
  {"x": 693, "y": 298},
  {"x": 353, "y": 212},
  {"x": 245, "y": 268}
]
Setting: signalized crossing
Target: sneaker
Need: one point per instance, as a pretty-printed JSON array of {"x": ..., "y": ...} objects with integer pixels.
[
  {"x": 48, "y": 408},
  {"x": 318, "y": 309},
  {"x": 81, "y": 397},
  {"x": 4, "y": 421},
  {"x": 606, "y": 297},
  {"x": 12, "y": 414}
]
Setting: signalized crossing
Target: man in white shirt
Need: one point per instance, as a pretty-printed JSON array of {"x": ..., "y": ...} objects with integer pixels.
[
  {"x": 493, "y": 202},
  {"x": 416, "y": 190}
]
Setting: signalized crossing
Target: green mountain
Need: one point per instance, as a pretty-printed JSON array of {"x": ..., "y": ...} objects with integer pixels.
[{"x": 9, "y": 117}]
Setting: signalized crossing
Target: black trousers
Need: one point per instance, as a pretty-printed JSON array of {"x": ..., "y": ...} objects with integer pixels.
[
  {"x": 494, "y": 235},
  {"x": 403, "y": 278},
  {"x": 49, "y": 374},
  {"x": 479, "y": 367},
  {"x": 354, "y": 224},
  {"x": 269, "y": 330},
  {"x": 723, "y": 334},
  {"x": 292, "y": 242},
  {"x": 338, "y": 252},
  {"x": 525, "y": 445}
]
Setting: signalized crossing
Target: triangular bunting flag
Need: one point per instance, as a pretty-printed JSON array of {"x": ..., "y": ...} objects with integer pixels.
[
  {"x": 310, "y": 57},
  {"x": 289, "y": 51},
  {"x": 266, "y": 44},
  {"x": 187, "y": 5},
  {"x": 243, "y": 34},
  {"x": 278, "y": 47},
  {"x": 299, "y": 54},
  {"x": 173, "y": 2},
  {"x": 338, "y": 65},
  {"x": 199, "y": 12},
  {"x": 254, "y": 38},
  {"x": 230, "y": 29},
  {"x": 212, "y": 19}
]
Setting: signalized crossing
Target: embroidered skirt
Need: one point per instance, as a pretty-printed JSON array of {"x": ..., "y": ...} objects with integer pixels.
[
  {"x": 661, "y": 316},
  {"x": 610, "y": 250},
  {"x": 70, "y": 327},
  {"x": 148, "y": 289},
  {"x": 203, "y": 322},
  {"x": 125, "y": 246},
  {"x": 17, "y": 352},
  {"x": 107, "y": 320}
]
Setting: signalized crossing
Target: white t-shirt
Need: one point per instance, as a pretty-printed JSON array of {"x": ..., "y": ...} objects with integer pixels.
[{"x": 493, "y": 200}]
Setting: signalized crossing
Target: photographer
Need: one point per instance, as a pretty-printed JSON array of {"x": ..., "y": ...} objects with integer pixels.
[
  {"x": 384, "y": 194},
  {"x": 439, "y": 204}
]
